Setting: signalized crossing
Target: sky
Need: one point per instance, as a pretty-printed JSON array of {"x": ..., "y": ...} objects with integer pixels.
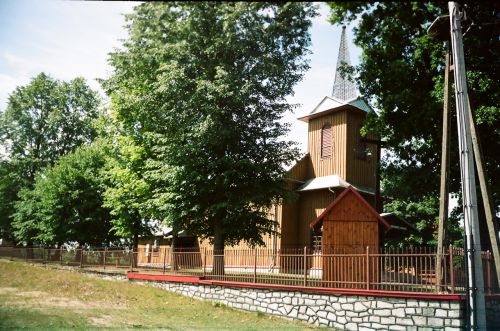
[{"x": 68, "y": 39}]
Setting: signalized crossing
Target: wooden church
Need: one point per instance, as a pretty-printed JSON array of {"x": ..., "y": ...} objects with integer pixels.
[
  {"x": 336, "y": 181},
  {"x": 337, "y": 158}
]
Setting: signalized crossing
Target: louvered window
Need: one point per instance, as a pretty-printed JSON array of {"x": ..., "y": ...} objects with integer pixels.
[{"x": 326, "y": 141}]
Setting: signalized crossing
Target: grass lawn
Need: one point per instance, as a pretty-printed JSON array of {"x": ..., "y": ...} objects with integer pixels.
[{"x": 33, "y": 297}]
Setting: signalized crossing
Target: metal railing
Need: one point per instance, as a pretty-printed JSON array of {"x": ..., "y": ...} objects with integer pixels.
[{"x": 349, "y": 267}]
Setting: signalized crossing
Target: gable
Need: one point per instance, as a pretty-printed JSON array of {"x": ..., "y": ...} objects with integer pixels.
[
  {"x": 326, "y": 104},
  {"x": 349, "y": 206},
  {"x": 350, "y": 209},
  {"x": 331, "y": 104}
]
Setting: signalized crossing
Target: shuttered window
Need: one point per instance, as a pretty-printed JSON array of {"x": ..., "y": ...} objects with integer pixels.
[{"x": 326, "y": 141}]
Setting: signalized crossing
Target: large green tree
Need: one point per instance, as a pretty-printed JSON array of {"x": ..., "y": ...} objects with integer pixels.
[
  {"x": 401, "y": 73},
  {"x": 66, "y": 202},
  {"x": 201, "y": 88},
  {"x": 9, "y": 186},
  {"x": 44, "y": 120},
  {"x": 127, "y": 192}
]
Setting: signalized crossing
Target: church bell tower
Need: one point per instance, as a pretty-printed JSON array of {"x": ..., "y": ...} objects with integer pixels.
[{"x": 338, "y": 154}]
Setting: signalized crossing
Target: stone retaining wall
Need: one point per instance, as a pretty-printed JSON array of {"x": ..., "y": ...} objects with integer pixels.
[{"x": 345, "y": 312}]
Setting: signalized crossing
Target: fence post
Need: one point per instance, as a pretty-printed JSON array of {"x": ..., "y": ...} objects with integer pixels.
[
  {"x": 452, "y": 271},
  {"x": 164, "y": 259},
  {"x": 81, "y": 257},
  {"x": 204, "y": 261},
  {"x": 305, "y": 266},
  {"x": 488, "y": 271},
  {"x": 132, "y": 260},
  {"x": 104, "y": 259},
  {"x": 60, "y": 254},
  {"x": 438, "y": 274},
  {"x": 367, "y": 267},
  {"x": 255, "y": 265}
]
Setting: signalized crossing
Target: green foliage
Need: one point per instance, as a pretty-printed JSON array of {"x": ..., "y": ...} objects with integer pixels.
[
  {"x": 200, "y": 89},
  {"x": 65, "y": 203},
  {"x": 9, "y": 186},
  {"x": 43, "y": 121},
  {"x": 401, "y": 72},
  {"x": 126, "y": 190}
]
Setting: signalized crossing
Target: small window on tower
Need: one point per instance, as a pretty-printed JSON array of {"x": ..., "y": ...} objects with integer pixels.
[
  {"x": 362, "y": 146},
  {"x": 326, "y": 141}
]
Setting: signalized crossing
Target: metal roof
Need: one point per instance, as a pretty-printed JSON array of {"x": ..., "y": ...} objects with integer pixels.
[
  {"x": 344, "y": 92},
  {"x": 331, "y": 104},
  {"x": 319, "y": 183},
  {"x": 344, "y": 87}
]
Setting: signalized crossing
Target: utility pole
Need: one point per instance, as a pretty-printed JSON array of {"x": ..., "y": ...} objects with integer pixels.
[
  {"x": 445, "y": 169},
  {"x": 475, "y": 280}
]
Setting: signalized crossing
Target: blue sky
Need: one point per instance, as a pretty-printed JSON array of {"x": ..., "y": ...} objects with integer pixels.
[{"x": 68, "y": 39}]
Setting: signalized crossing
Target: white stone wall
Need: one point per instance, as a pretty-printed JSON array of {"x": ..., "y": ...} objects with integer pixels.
[{"x": 344, "y": 312}]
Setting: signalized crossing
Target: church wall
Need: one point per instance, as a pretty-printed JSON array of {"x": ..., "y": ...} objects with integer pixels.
[
  {"x": 301, "y": 171},
  {"x": 289, "y": 230},
  {"x": 274, "y": 213},
  {"x": 361, "y": 167},
  {"x": 312, "y": 204},
  {"x": 334, "y": 165}
]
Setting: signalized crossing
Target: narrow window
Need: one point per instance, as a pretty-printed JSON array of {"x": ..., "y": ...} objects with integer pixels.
[
  {"x": 317, "y": 239},
  {"x": 361, "y": 149},
  {"x": 326, "y": 141},
  {"x": 156, "y": 248}
]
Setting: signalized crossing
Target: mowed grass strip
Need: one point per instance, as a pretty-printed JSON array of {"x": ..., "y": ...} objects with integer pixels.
[{"x": 33, "y": 297}]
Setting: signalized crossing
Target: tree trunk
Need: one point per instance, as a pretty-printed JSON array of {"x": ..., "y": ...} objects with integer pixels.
[
  {"x": 218, "y": 254},
  {"x": 173, "y": 248},
  {"x": 135, "y": 243},
  {"x": 135, "y": 235}
]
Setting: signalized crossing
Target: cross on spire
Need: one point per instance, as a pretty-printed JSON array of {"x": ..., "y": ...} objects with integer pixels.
[{"x": 343, "y": 87}]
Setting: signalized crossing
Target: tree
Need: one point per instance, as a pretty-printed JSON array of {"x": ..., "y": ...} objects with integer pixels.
[
  {"x": 65, "y": 203},
  {"x": 401, "y": 72},
  {"x": 47, "y": 119},
  {"x": 43, "y": 121},
  {"x": 127, "y": 191},
  {"x": 8, "y": 194},
  {"x": 201, "y": 88}
]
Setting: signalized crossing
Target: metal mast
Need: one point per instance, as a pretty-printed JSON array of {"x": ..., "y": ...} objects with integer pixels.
[
  {"x": 475, "y": 288},
  {"x": 343, "y": 87}
]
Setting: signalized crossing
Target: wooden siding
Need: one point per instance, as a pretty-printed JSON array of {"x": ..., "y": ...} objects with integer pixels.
[
  {"x": 312, "y": 204},
  {"x": 269, "y": 240},
  {"x": 301, "y": 171},
  {"x": 289, "y": 225},
  {"x": 151, "y": 258},
  {"x": 348, "y": 229},
  {"x": 334, "y": 165},
  {"x": 359, "y": 171}
]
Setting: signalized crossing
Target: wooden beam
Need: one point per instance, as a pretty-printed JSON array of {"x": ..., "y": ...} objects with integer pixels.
[
  {"x": 445, "y": 168},
  {"x": 485, "y": 192}
]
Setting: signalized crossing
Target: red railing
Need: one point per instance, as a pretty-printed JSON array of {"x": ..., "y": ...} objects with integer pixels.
[{"x": 350, "y": 267}]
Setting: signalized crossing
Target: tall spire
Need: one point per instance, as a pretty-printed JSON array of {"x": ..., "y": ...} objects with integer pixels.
[{"x": 343, "y": 88}]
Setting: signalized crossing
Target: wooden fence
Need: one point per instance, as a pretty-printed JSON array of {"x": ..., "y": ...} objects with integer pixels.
[{"x": 404, "y": 270}]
